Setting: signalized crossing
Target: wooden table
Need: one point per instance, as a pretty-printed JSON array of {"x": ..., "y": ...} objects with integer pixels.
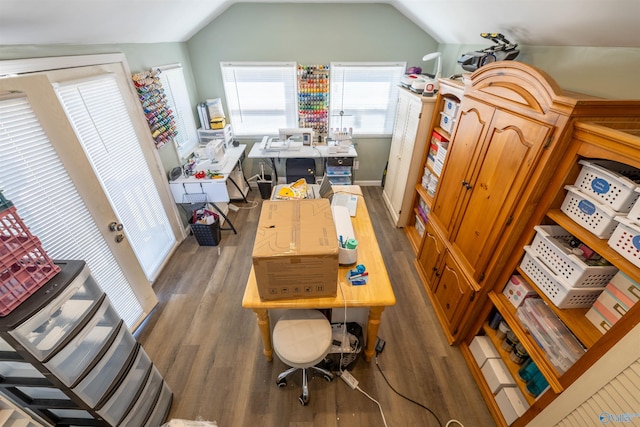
[{"x": 375, "y": 295}]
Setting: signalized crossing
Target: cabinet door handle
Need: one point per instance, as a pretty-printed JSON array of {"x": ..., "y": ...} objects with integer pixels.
[{"x": 466, "y": 185}]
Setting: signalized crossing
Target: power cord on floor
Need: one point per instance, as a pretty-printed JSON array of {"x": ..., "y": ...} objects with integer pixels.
[{"x": 379, "y": 347}]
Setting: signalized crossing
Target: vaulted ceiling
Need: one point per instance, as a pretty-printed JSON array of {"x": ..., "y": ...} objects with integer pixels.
[{"x": 529, "y": 22}]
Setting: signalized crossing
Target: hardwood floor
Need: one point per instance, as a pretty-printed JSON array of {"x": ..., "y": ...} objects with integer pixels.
[{"x": 209, "y": 350}]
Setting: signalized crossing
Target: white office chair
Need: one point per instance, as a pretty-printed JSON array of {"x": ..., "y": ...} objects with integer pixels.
[{"x": 302, "y": 339}]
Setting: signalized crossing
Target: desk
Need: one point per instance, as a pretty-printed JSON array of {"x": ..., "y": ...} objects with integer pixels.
[
  {"x": 305, "y": 152},
  {"x": 375, "y": 295},
  {"x": 189, "y": 190}
]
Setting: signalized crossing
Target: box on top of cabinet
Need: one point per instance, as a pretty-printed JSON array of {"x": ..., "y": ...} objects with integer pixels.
[{"x": 292, "y": 263}]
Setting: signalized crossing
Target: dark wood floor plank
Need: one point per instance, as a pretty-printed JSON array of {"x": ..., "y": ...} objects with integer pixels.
[{"x": 209, "y": 350}]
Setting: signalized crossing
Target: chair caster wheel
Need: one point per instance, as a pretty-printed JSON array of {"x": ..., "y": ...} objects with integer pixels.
[
  {"x": 282, "y": 383},
  {"x": 328, "y": 378},
  {"x": 303, "y": 400}
]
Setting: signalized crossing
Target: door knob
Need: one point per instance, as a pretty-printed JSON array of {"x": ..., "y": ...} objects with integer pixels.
[
  {"x": 119, "y": 238},
  {"x": 114, "y": 226}
]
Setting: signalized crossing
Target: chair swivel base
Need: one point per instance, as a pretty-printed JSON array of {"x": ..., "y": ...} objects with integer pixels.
[{"x": 281, "y": 381}]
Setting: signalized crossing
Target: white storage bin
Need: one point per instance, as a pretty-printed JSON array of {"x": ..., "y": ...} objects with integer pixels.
[
  {"x": 626, "y": 240},
  {"x": 482, "y": 349},
  {"x": 146, "y": 401},
  {"x": 497, "y": 375},
  {"x": 611, "y": 183},
  {"x": 96, "y": 383},
  {"x": 595, "y": 217},
  {"x": 450, "y": 107},
  {"x": 552, "y": 247},
  {"x": 634, "y": 213},
  {"x": 116, "y": 407},
  {"x": 45, "y": 331},
  {"x": 512, "y": 404},
  {"x": 553, "y": 285},
  {"x": 74, "y": 358},
  {"x": 419, "y": 225},
  {"x": 447, "y": 122},
  {"x": 11, "y": 369},
  {"x": 339, "y": 180},
  {"x": 433, "y": 185}
]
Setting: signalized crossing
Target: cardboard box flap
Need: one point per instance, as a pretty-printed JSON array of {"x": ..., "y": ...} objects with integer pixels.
[{"x": 295, "y": 228}]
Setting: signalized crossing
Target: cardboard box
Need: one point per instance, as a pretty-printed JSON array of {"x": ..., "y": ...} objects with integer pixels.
[
  {"x": 497, "y": 375},
  {"x": 482, "y": 349},
  {"x": 512, "y": 404},
  {"x": 295, "y": 254},
  {"x": 517, "y": 290}
]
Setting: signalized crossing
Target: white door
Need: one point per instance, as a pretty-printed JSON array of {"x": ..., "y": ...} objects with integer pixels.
[
  {"x": 47, "y": 175},
  {"x": 99, "y": 117}
]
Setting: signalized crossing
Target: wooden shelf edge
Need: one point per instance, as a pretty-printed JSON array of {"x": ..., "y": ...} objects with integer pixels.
[
  {"x": 508, "y": 312},
  {"x": 413, "y": 236}
]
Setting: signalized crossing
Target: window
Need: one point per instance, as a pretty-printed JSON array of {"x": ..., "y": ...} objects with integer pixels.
[
  {"x": 364, "y": 96},
  {"x": 261, "y": 97},
  {"x": 175, "y": 89}
]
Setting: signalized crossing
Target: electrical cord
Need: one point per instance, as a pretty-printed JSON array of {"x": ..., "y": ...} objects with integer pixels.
[
  {"x": 344, "y": 336},
  {"x": 413, "y": 401},
  {"x": 405, "y": 397}
]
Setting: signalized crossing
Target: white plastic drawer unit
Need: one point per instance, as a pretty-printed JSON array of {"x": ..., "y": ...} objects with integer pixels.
[
  {"x": 74, "y": 358},
  {"x": 15, "y": 369},
  {"x": 102, "y": 376},
  {"x": 162, "y": 407},
  {"x": 116, "y": 407},
  {"x": 47, "y": 329},
  {"x": 139, "y": 414}
]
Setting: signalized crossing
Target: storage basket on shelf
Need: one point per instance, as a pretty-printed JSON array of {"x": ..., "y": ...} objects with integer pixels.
[
  {"x": 634, "y": 213},
  {"x": 552, "y": 247},
  {"x": 610, "y": 183},
  {"x": 626, "y": 240},
  {"x": 590, "y": 214},
  {"x": 554, "y": 286},
  {"x": 24, "y": 265}
]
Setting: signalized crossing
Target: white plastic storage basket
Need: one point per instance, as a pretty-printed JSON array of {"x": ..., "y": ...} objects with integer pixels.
[
  {"x": 552, "y": 247},
  {"x": 634, "y": 213},
  {"x": 552, "y": 285},
  {"x": 595, "y": 217},
  {"x": 626, "y": 240},
  {"x": 610, "y": 183}
]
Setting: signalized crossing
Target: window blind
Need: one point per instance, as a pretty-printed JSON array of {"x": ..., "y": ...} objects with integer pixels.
[
  {"x": 261, "y": 97},
  {"x": 364, "y": 96},
  {"x": 34, "y": 179},
  {"x": 175, "y": 89},
  {"x": 93, "y": 106}
]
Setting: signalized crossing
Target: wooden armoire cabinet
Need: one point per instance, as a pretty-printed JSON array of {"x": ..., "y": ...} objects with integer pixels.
[
  {"x": 511, "y": 152},
  {"x": 512, "y": 129}
]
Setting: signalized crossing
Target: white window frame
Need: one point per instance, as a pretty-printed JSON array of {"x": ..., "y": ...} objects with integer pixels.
[
  {"x": 273, "y": 103},
  {"x": 349, "y": 106},
  {"x": 175, "y": 89}
]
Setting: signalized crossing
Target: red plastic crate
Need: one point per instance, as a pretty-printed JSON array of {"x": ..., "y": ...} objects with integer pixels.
[{"x": 24, "y": 265}]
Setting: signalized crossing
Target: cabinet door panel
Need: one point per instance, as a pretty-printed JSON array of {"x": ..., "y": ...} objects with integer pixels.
[
  {"x": 513, "y": 146},
  {"x": 430, "y": 255},
  {"x": 472, "y": 126},
  {"x": 453, "y": 292}
]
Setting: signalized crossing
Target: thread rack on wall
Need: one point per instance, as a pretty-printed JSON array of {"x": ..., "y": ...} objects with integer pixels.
[
  {"x": 313, "y": 98},
  {"x": 154, "y": 104}
]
